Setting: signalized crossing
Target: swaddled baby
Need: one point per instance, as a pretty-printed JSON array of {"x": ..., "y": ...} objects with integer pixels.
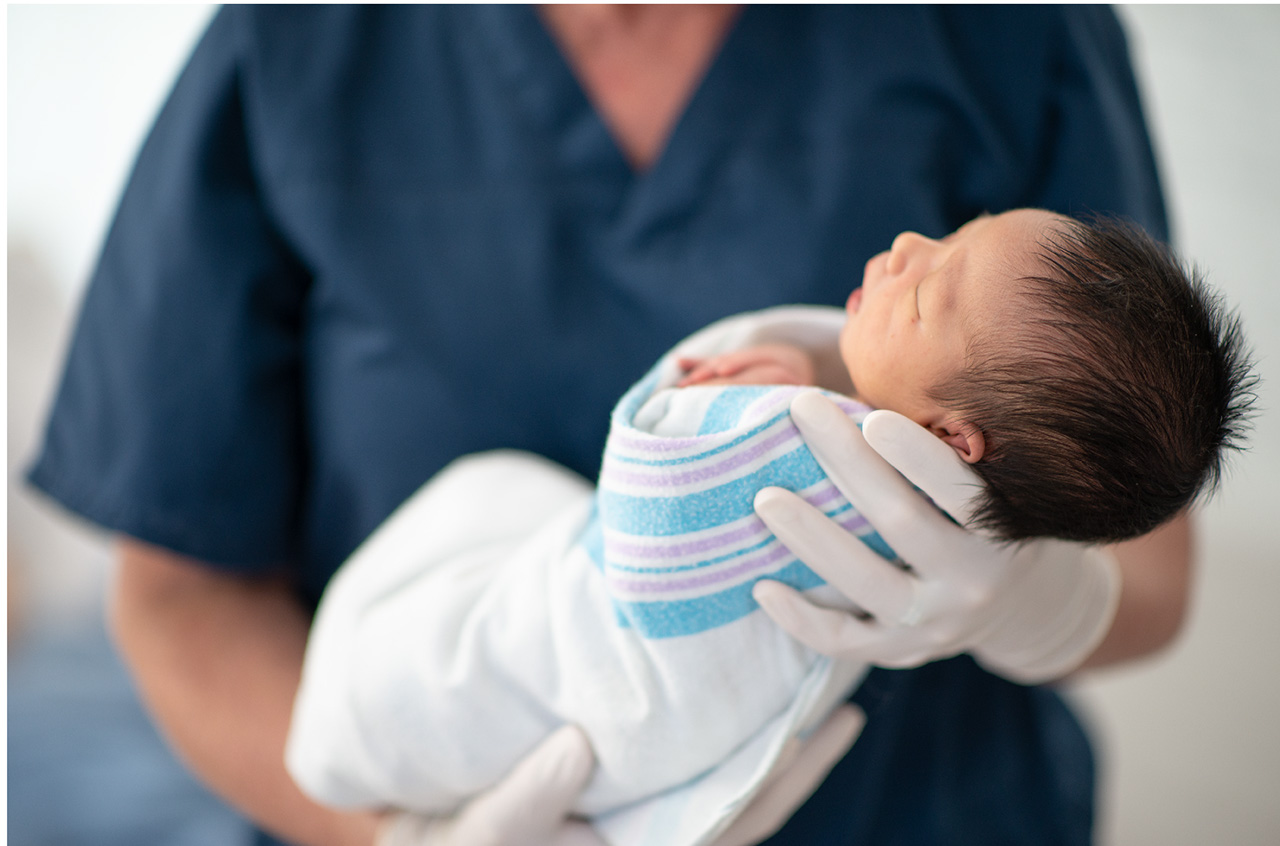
[{"x": 1093, "y": 386}]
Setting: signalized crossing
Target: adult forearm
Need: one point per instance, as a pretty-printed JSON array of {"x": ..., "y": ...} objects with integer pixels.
[
  {"x": 1155, "y": 573},
  {"x": 217, "y": 659}
]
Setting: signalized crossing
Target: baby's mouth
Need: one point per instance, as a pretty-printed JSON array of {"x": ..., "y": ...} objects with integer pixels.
[{"x": 870, "y": 272}]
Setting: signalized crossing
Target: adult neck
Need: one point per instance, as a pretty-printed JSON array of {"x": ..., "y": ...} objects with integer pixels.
[{"x": 639, "y": 64}]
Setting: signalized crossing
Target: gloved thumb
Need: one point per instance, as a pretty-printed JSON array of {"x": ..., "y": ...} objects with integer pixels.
[
  {"x": 926, "y": 461},
  {"x": 532, "y": 802}
]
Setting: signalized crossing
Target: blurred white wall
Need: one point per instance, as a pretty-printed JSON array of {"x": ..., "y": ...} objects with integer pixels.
[
  {"x": 1190, "y": 741},
  {"x": 84, "y": 85}
]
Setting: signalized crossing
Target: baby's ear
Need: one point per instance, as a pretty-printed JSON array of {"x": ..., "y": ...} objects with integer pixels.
[{"x": 965, "y": 438}]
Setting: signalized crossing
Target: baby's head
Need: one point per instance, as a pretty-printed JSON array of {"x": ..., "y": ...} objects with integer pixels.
[{"x": 1092, "y": 382}]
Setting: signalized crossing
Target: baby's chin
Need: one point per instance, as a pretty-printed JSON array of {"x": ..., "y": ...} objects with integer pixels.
[{"x": 846, "y": 347}]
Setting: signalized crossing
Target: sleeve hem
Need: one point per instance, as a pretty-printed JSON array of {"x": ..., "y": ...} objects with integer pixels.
[{"x": 147, "y": 524}]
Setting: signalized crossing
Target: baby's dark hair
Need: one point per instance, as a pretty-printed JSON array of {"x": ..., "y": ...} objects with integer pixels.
[{"x": 1113, "y": 406}]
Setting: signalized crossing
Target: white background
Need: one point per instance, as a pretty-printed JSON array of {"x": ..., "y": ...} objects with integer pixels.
[{"x": 1189, "y": 741}]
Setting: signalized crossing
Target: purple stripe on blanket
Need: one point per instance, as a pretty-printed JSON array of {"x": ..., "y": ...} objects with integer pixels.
[
  {"x": 675, "y": 550},
  {"x": 822, "y": 498},
  {"x": 757, "y": 562},
  {"x": 761, "y": 561},
  {"x": 853, "y": 521},
  {"x": 656, "y": 549},
  {"x": 737, "y": 459},
  {"x": 643, "y": 442}
]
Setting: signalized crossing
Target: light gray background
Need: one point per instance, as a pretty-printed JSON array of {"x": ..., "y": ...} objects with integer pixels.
[{"x": 1189, "y": 740}]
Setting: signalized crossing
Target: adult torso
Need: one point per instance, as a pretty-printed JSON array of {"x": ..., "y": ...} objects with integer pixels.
[{"x": 489, "y": 270}]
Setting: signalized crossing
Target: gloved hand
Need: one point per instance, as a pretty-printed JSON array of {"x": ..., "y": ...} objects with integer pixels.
[
  {"x": 531, "y": 806},
  {"x": 803, "y": 765},
  {"x": 1030, "y": 612}
]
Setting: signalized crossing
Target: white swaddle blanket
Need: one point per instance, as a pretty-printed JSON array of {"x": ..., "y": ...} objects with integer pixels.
[{"x": 506, "y": 599}]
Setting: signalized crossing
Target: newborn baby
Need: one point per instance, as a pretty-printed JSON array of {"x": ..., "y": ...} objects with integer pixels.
[
  {"x": 1090, "y": 381},
  {"x": 1092, "y": 384}
]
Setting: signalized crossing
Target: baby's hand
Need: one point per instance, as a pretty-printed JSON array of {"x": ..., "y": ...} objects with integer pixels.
[{"x": 767, "y": 364}]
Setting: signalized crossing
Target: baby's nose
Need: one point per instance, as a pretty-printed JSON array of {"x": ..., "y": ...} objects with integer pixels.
[{"x": 906, "y": 248}]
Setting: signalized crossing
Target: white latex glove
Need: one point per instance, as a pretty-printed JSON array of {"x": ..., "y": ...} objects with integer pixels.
[
  {"x": 531, "y": 806},
  {"x": 1031, "y": 612},
  {"x": 803, "y": 766}
]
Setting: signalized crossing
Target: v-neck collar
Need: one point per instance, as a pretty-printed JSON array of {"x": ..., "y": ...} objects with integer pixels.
[{"x": 579, "y": 140}]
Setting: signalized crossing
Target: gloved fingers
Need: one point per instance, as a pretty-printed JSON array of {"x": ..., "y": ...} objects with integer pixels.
[
  {"x": 849, "y": 565},
  {"x": 840, "y": 634},
  {"x": 824, "y": 630},
  {"x": 794, "y": 781},
  {"x": 845, "y": 456},
  {"x": 910, "y": 524},
  {"x": 533, "y": 801},
  {"x": 926, "y": 460}
]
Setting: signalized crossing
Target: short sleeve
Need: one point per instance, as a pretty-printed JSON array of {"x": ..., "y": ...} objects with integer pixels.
[
  {"x": 178, "y": 418},
  {"x": 1100, "y": 157}
]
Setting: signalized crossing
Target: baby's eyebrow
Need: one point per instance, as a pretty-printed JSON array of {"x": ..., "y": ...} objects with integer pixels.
[{"x": 952, "y": 275}]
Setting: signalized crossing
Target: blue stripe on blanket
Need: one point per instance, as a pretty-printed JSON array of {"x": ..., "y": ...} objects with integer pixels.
[
  {"x": 690, "y": 616},
  {"x": 725, "y": 411},
  {"x": 655, "y": 516}
]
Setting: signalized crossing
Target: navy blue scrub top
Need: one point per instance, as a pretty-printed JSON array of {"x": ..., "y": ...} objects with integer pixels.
[{"x": 362, "y": 241}]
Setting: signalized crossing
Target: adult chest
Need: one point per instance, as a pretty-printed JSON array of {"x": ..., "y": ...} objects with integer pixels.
[
  {"x": 487, "y": 267},
  {"x": 454, "y": 160}
]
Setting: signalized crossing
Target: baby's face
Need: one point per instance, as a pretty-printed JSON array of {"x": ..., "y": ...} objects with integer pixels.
[{"x": 921, "y": 302}]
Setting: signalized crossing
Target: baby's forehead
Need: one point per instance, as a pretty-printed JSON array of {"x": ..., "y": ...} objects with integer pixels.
[{"x": 1018, "y": 241}]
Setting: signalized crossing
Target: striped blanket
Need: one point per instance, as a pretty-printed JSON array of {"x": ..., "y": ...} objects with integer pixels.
[
  {"x": 674, "y": 533},
  {"x": 507, "y": 598}
]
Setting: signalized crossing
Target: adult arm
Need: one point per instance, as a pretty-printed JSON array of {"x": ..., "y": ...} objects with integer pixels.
[
  {"x": 217, "y": 658},
  {"x": 1155, "y": 585}
]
